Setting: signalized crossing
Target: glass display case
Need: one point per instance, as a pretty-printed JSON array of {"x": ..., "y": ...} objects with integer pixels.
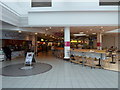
[{"x": 1, "y": 55}]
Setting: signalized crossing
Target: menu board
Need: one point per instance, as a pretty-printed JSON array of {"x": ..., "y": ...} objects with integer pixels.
[{"x": 29, "y": 58}]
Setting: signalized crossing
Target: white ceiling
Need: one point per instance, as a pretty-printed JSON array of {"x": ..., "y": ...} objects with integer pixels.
[{"x": 75, "y": 30}]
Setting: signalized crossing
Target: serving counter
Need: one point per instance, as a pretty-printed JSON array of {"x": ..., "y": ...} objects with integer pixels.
[{"x": 16, "y": 54}]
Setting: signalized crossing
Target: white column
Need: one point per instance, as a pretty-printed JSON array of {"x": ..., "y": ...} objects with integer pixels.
[
  {"x": 67, "y": 43},
  {"x": 99, "y": 41}
]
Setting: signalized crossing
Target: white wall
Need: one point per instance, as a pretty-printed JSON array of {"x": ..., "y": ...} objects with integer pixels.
[
  {"x": 110, "y": 40},
  {"x": 70, "y": 18},
  {"x": 74, "y": 5},
  {"x": 19, "y": 6}
]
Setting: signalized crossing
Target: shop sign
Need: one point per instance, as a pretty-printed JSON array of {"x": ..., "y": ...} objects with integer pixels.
[
  {"x": 67, "y": 44},
  {"x": 98, "y": 44},
  {"x": 29, "y": 58}
]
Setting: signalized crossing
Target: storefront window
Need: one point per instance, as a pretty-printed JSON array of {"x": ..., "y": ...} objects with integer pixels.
[
  {"x": 109, "y": 2},
  {"x": 41, "y": 3}
]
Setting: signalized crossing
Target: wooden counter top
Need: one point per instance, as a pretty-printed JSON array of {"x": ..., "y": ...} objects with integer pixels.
[
  {"x": 85, "y": 50},
  {"x": 89, "y": 50},
  {"x": 59, "y": 48}
]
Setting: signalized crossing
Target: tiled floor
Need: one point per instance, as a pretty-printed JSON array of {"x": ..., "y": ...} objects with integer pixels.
[{"x": 63, "y": 75}]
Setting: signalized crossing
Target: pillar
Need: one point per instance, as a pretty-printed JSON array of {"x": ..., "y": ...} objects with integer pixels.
[
  {"x": 67, "y": 43},
  {"x": 36, "y": 45},
  {"x": 99, "y": 41}
]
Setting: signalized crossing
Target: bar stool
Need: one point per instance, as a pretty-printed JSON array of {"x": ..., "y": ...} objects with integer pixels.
[
  {"x": 106, "y": 63},
  {"x": 76, "y": 57},
  {"x": 92, "y": 64},
  {"x": 87, "y": 61}
]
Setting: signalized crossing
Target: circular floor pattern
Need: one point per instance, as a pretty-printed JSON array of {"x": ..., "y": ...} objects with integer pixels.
[{"x": 16, "y": 71}]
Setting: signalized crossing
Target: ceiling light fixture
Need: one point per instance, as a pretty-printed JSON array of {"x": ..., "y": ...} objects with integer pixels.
[
  {"x": 90, "y": 29},
  {"x": 61, "y": 29},
  {"x": 36, "y": 33},
  {"x": 19, "y": 31},
  {"x": 101, "y": 27},
  {"x": 93, "y": 33},
  {"x": 79, "y": 34}
]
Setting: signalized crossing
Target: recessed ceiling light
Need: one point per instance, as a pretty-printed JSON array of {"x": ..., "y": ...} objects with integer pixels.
[
  {"x": 42, "y": 39},
  {"x": 20, "y": 31},
  {"x": 36, "y": 33},
  {"x": 61, "y": 29},
  {"x": 101, "y": 27},
  {"x": 93, "y": 33},
  {"x": 50, "y": 27},
  {"x": 90, "y": 29},
  {"x": 81, "y": 32},
  {"x": 46, "y": 29}
]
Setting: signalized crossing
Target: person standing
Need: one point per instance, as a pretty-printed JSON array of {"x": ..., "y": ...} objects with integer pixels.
[
  {"x": 53, "y": 49},
  {"x": 7, "y": 52},
  {"x": 111, "y": 50}
]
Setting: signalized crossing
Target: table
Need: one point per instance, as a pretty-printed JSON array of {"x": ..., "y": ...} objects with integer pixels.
[{"x": 98, "y": 54}]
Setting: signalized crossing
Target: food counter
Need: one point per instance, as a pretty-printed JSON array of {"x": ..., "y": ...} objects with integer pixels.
[
  {"x": 16, "y": 54},
  {"x": 1, "y": 55}
]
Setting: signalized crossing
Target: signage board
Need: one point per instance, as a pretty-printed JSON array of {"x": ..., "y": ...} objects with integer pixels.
[{"x": 29, "y": 57}]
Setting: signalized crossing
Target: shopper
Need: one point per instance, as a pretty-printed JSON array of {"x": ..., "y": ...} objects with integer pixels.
[
  {"x": 7, "y": 52},
  {"x": 111, "y": 50},
  {"x": 53, "y": 49}
]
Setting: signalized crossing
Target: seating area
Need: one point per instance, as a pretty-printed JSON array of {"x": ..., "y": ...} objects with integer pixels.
[
  {"x": 91, "y": 59},
  {"x": 94, "y": 62},
  {"x": 59, "y": 53}
]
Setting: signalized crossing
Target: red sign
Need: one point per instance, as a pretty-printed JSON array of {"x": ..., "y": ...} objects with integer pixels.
[
  {"x": 98, "y": 44},
  {"x": 67, "y": 44}
]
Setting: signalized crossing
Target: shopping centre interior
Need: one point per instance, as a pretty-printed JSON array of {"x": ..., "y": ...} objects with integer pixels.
[{"x": 59, "y": 44}]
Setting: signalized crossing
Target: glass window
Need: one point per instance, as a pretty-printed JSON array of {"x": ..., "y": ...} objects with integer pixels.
[
  {"x": 41, "y": 3},
  {"x": 109, "y": 2}
]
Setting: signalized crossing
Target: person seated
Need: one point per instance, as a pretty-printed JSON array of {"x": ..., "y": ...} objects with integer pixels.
[
  {"x": 111, "y": 49},
  {"x": 72, "y": 57}
]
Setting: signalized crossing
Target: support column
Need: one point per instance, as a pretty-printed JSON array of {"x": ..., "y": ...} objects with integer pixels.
[
  {"x": 99, "y": 41},
  {"x": 67, "y": 43},
  {"x": 35, "y": 45}
]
